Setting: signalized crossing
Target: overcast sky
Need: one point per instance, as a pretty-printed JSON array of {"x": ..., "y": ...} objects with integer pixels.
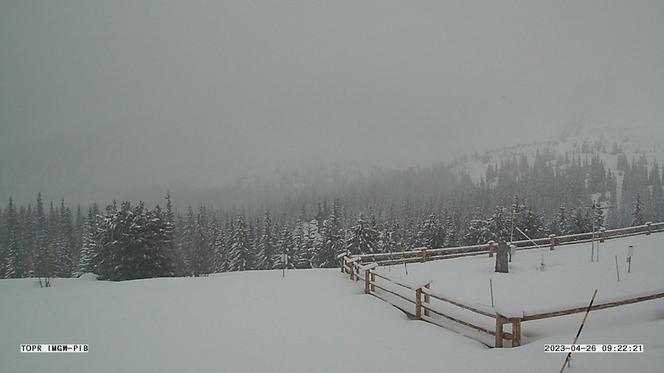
[{"x": 157, "y": 93}]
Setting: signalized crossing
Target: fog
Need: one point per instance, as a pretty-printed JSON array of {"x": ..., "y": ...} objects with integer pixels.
[{"x": 98, "y": 98}]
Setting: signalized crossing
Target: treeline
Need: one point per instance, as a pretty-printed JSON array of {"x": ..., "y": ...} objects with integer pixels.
[{"x": 436, "y": 207}]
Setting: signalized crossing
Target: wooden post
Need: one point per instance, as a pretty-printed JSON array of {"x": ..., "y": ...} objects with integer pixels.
[
  {"x": 602, "y": 234},
  {"x": 352, "y": 271},
  {"x": 418, "y": 304},
  {"x": 500, "y": 321},
  {"x": 367, "y": 280},
  {"x": 342, "y": 262},
  {"x": 552, "y": 241},
  {"x": 424, "y": 256},
  {"x": 516, "y": 332},
  {"x": 427, "y": 299},
  {"x": 491, "y": 248},
  {"x": 648, "y": 228},
  {"x": 373, "y": 280}
]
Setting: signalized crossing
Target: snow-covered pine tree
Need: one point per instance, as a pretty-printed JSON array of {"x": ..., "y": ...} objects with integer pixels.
[
  {"x": 392, "y": 237},
  {"x": 500, "y": 225},
  {"x": 560, "y": 223},
  {"x": 89, "y": 244},
  {"x": 451, "y": 231},
  {"x": 312, "y": 243},
  {"x": 300, "y": 249},
  {"x": 201, "y": 260},
  {"x": 331, "y": 242},
  {"x": 530, "y": 223},
  {"x": 363, "y": 239},
  {"x": 657, "y": 213},
  {"x": 219, "y": 251},
  {"x": 285, "y": 246},
  {"x": 266, "y": 244},
  {"x": 580, "y": 221},
  {"x": 431, "y": 234},
  {"x": 44, "y": 255},
  {"x": 172, "y": 249},
  {"x": 239, "y": 253},
  {"x": 12, "y": 265},
  {"x": 187, "y": 241},
  {"x": 637, "y": 215},
  {"x": 478, "y": 232},
  {"x": 63, "y": 237},
  {"x": 132, "y": 242},
  {"x": 598, "y": 216}
]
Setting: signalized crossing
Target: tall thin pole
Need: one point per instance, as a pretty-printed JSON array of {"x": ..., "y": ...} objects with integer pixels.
[
  {"x": 491, "y": 289},
  {"x": 578, "y": 333},
  {"x": 617, "y": 272}
]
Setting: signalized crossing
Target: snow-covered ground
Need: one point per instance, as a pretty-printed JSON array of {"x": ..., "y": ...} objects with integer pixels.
[
  {"x": 568, "y": 278},
  {"x": 319, "y": 321}
]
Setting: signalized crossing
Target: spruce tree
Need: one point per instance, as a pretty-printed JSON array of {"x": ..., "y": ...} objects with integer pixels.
[
  {"x": 266, "y": 244},
  {"x": 239, "y": 252},
  {"x": 637, "y": 217},
  {"x": 363, "y": 238},
  {"x": 12, "y": 265}
]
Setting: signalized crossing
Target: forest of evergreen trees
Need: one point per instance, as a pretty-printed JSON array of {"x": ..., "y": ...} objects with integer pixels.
[{"x": 433, "y": 207}]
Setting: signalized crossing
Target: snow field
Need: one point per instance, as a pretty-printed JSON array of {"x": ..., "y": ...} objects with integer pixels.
[{"x": 311, "y": 321}]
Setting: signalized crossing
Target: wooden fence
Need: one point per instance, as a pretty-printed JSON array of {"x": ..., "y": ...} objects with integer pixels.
[
  {"x": 420, "y": 255},
  {"x": 416, "y": 299}
]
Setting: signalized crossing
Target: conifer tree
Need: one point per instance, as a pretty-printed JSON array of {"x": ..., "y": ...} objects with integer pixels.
[
  {"x": 266, "y": 244},
  {"x": 363, "y": 239},
  {"x": 89, "y": 244},
  {"x": 44, "y": 256},
  {"x": 239, "y": 253},
  {"x": 637, "y": 217},
  {"x": 12, "y": 265}
]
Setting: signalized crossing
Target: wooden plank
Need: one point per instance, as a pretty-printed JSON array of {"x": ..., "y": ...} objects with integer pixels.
[
  {"x": 600, "y": 306},
  {"x": 394, "y": 293},
  {"x": 461, "y": 305},
  {"x": 408, "y": 312},
  {"x": 473, "y": 326}
]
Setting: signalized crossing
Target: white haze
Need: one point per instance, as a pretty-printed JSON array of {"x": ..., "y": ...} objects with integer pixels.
[{"x": 98, "y": 98}]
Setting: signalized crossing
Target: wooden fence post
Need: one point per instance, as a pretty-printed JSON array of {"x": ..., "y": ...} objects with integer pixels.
[
  {"x": 367, "y": 281},
  {"x": 500, "y": 321},
  {"x": 427, "y": 299},
  {"x": 648, "y": 228},
  {"x": 424, "y": 256},
  {"x": 342, "y": 262},
  {"x": 516, "y": 332},
  {"x": 373, "y": 280},
  {"x": 352, "y": 270},
  {"x": 552, "y": 241},
  {"x": 491, "y": 248},
  {"x": 602, "y": 234},
  {"x": 418, "y": 304}
]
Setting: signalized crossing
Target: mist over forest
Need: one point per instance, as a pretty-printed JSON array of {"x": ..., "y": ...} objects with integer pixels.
[{"x": 312, "y": 128}]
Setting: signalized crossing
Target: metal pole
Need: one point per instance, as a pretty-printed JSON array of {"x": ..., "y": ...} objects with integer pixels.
[{"x": 578, "y": 333}]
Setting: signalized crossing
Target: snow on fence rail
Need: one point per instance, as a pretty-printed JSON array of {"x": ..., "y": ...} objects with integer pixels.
[{"x": 415, "y": 299}]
